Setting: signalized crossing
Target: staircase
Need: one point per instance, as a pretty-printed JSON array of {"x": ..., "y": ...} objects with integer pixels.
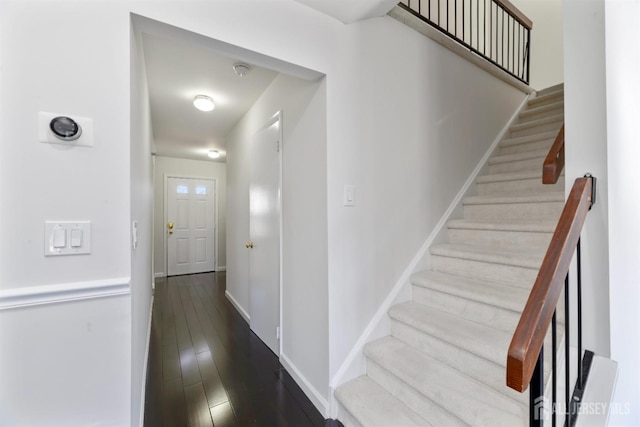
[{"x": 444, "y": 362}]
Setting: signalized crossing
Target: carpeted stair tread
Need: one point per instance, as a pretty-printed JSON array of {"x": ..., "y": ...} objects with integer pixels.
[
  {"x": 490, "y": 293},
  {"x": 529, "y": 198},
  {"x": 551, "y": 89},
  {"x": 550, "y": 135},
  {"x": 527, "y": 155},
  {"x": 371, "y": 405},
  {"x": 517, "y": 257},
  {"x": 474, "y": 403},
  {"x": 556, "y": 118},
  {"x": 542, "y": 109},
  {"x": 524, "y": 226},
  {"x": 511, "y": 176},
  {"x": 521, "y": 182},
  {"x": 546, "y": 98},
  {"x": 482, "y": 340}
]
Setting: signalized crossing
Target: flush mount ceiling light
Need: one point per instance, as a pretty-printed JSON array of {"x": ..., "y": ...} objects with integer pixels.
[
  {"x": 203, "y": 103},
  {"x": 214, "y": 154},
  {"x": 241, "y": 69}
]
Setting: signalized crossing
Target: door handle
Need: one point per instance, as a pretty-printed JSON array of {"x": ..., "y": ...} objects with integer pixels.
[
  {"x": 249, "y": 245},
  {"x": 170, "y": 227}
]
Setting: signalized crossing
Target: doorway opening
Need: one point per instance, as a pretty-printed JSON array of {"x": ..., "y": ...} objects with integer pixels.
[{"x": 300, "y": 94}]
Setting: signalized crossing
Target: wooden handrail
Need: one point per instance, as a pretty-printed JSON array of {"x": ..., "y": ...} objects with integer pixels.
[
  {"x": 554, "y": 162},
  {"x": 516, "y": 13},
  {"x": 535, "y": 320}
]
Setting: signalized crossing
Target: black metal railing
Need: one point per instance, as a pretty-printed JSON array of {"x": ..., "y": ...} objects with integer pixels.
[
  {"x": 493, "y": 29},
  {"x": 542, "y": 304},
  {"x": 540, "y": 408}
]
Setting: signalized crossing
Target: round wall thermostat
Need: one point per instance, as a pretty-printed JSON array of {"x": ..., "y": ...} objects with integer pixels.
[{"x": 65, "y": 128}]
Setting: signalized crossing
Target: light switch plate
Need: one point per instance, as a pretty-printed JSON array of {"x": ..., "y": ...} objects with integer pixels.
[
  {"x": 349, "y": 197},
  {"x": 79, "y": 230}
]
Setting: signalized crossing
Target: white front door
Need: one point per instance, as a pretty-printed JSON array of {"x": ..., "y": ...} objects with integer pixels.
[
  {"x": 264, "y": 230},
  {"x": 190, "y": 226}
]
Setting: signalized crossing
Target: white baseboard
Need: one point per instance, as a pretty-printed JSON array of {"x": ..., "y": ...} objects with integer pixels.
[
  {"x": 223, "y": 268},
  {"x": 145, "y": 366},
  {"x": 65, "y": 292},
  {"x": 238, "y": 307},
  {"x": 319, "y": 401},
  {"x": 354, "y": 364},
  {"x": 159, "y": 275}
]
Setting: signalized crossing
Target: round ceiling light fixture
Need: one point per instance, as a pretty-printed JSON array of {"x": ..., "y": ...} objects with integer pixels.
[
  {"x": 214, "y": 154},
  {"x": 241, "y": 69},
  {"x": 203, "y": 103}
]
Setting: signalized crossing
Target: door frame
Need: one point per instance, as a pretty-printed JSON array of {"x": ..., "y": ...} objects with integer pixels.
[
  {"x": 166, "y": 216},
  {"x": 277, "y": 117}
]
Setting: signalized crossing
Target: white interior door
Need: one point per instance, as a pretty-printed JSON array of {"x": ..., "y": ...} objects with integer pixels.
[
  {"x": 190, "y": 226},
  {"x": 264, "y": 231}
]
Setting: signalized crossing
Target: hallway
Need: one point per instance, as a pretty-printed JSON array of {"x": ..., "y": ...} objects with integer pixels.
[{"x": 207, "y": 368}]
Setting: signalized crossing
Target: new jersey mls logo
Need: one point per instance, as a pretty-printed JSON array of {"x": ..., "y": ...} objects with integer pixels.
[{"x": 540, "y": 408}]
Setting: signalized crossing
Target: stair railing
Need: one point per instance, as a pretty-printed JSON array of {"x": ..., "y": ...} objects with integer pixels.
[
  {"x": 554, "y": 162},
  {"x": 496, "y": 30},
  {"x": 526, "y": 353}
]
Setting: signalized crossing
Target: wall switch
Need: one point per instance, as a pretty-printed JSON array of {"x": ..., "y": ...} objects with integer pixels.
[
  {"x": 67, "y": 238},
  {"x": 59, "y": 237},
  {"x": 349, "y": 195}
]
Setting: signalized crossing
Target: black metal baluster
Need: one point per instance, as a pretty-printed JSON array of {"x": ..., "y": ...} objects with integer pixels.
[
  {"x": 470, "y": 22},
  {"x": 455, "y": 17},
  {"x": 491, "y": 29},
  {"x": 528, "y": 53},
  {"x": 517, "y": 69},
  {"x": 536, "y": 393},
  {"x": 567, "y": 336},
  {"x": 508, "y": 41},
  {"x": 579, "y": 303},
  {"x": 554, "y": 370},
  {"x": 478, "y": 23},
  {"x": 502, "y": 49},
  {"x": 447, "y": 15}
]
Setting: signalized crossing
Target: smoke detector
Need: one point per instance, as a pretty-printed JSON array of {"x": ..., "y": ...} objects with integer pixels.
[{"x": 241, "y": 69}]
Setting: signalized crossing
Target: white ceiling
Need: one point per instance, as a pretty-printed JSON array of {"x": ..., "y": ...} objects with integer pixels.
[{"x": 176, "y": 73}]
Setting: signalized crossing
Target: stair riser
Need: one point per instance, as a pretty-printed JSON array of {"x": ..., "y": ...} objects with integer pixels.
[
  {"x": 501, "y": 239},
  {"x": 516, "y": 276},
  {"x": 529, "y": 115},
  {"x": 533, "y": 130},
  {"x": 514, "y": 211},
  {"x": 498, "y": 318},
  {"x": 411, "y": 397},
  {"x": 543, "y": 144},
  {"x": 471, "y": 364},
  {"x": 518, "y": 187},
  {"x": 534, "y": 164}
]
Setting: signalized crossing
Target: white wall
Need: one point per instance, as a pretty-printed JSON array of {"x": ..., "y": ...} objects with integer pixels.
[
  {"x": 602, "y": 62},
  {"x": 586, "y": 151},
  {"x": 65, "y": 356},
  {"x": 141, "y": 214},
  {"x": 170, "y": 166},
  {"x": 70, "y": 360},
  {"x": 304, "y": 275},
  {"x": 546, "y": 41},
  {"x": 623, "y": 132}
]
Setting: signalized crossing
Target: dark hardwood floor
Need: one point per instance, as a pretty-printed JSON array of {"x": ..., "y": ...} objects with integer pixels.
[{"x": 206, "y": 367}]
